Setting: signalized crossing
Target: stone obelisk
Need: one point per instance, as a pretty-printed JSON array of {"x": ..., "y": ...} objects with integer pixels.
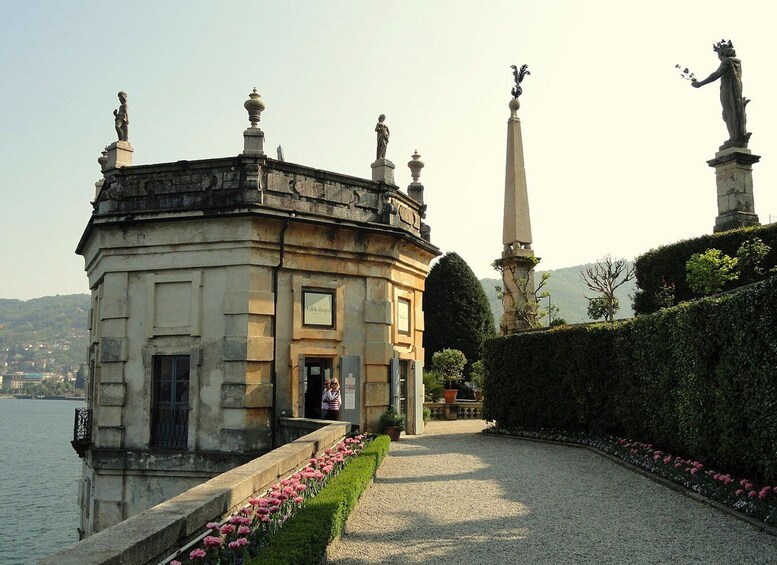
[{"x": 517, "y": 261}]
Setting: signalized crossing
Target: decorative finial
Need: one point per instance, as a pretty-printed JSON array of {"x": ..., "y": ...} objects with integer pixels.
[
  {"x": 415, "y": 166},
  {"x": 519, "y": 75},
  {"x": 255, "y": 107}
]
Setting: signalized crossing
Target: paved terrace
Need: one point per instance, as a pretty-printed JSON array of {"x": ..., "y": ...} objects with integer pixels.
[{"x": 451, "y": 496}]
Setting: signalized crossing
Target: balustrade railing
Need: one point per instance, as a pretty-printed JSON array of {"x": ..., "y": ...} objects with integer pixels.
[{"x": 459, "y": 410}]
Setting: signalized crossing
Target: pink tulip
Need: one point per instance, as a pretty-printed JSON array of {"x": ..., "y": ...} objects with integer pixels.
[
  {"x": 197, "y": 554},
  {"x": 243, "y": 530},
  {"x": 212, "y": 541}
]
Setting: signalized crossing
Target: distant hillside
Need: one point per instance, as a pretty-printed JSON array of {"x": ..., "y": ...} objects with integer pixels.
[
  {"x": 56, "y": 324},
  {"x": 567, "y": 292}
]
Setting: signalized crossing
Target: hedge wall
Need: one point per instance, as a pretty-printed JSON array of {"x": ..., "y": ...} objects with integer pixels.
[
  {"x": 667, "y": 263},
  {"x": 699, "y": 380}
]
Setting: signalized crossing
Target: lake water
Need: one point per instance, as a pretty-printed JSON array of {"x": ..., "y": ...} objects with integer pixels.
[{"x": 39, "y": 477}]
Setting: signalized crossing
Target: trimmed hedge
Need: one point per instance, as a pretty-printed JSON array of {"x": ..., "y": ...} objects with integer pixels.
[
  {"x": 698, "y": 379},
  {"x": 667, "y": 263},
  {"x": 304, "y": 538}
]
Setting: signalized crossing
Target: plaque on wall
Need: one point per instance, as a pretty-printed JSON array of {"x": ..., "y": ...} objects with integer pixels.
[
  {"x": 403, "y": 316},
  {"x": 318, "y": 308}
]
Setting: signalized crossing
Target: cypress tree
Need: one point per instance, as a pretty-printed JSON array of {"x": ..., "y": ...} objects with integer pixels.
[{"x": 456, "y": 310}]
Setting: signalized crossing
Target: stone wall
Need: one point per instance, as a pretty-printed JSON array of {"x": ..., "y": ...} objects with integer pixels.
[{"x": 156, "y": 533}]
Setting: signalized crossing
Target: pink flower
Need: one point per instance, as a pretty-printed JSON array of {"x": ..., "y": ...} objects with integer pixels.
[
  {"x": 740, "y": 492},
  {"x": 243, "y": 530},
  {"x": 212, "y": 525},
  {"x": 300, "y": 487},
  {"x": 227, "y": 529},
  {"x": 255, "y": 501},
  {"x": 774, "y": 489},
  {"x": 694, "y": 470},
  {"x": 667, "y": 460},
  {"x": 212, "y": 541},
  {"x": 728, "y": 480},
  {"x": 242, "y": 541},
  {"x": 752, "y": 494},
  {"x": 328, "y": 451},
  {"x": 299, "y": 499},
  {"x": 175, "y": 562},
  {"x": 197, "y": 554},
  {"x": 234, "y": 545}
]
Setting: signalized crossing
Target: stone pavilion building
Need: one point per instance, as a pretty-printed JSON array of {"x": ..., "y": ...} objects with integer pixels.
[{"x": 224, "y": 291}]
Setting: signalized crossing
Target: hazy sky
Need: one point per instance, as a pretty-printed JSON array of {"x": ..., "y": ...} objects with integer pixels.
[{"x": 616, "y": 143}]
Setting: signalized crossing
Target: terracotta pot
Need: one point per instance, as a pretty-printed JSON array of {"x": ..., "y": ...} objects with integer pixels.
[
  {"x": 450, "y": 395},
  {"x": 392, "y": 432}
]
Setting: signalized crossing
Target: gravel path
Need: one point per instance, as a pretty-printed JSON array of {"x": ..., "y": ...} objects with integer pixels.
[{"x": 451, "y": 496}]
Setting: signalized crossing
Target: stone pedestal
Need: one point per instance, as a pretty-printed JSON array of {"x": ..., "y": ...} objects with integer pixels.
[
  {"x": 119, "y": 155},
  {"x": 383, "y": 171},
  {"x": 734, "y": 179},
  {"x": 520, "y": 308},
  {"x": 253, "y": 141}
]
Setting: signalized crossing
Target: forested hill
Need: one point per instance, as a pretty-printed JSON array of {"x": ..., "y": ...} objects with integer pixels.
[
  {"x": 51, "y": 321},
  {"x": 567, "y": 292}
]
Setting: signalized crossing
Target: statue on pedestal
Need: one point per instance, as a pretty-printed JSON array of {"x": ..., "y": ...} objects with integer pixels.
[
  {"x": 730, "y": 74},
  {"x": 383, "y": 137},
  {"x": 122, "y": 118}
]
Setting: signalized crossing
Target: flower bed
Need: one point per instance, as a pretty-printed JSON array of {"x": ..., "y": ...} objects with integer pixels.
[
  {"x": 241, "y": 536},
  {"x": 759, "y": 502}
]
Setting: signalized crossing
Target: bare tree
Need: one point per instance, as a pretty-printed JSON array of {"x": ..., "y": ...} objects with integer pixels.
[{"x": 606, "y": 275}]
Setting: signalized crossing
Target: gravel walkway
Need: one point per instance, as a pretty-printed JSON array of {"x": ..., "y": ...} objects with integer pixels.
[{"x": 451, "y": 496}]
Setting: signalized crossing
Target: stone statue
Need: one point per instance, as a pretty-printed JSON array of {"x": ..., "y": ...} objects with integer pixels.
[
  {"x": 518, "y": 75},
  {"x": 122, "y": 118},
  {"x": 383, "y": 137},
  {"x": 730, "y": 74}
]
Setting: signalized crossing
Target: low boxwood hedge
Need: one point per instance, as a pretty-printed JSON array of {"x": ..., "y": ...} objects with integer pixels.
[{"x": 304, "y": 538}]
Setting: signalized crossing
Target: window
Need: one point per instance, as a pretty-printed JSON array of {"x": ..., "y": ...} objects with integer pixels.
[
  {"x": 318, "y": 308},
  {"x": 170, "y": 402}
]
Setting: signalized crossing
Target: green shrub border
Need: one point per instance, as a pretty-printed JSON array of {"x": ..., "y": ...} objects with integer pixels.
[
  {"x": 667, "y": 263},
  {"x": 698, "y": 379},
  {"x": 304, "y": 538}
]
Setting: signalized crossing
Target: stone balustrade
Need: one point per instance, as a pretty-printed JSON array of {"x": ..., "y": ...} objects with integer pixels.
[
  {"x": 153, "y": 535},
  {"x": 459, "y": 410}
]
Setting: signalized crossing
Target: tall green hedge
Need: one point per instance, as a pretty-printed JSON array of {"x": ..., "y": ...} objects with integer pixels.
[
  {"x": 699, "y": 379},
  {"x": 667, "y": 263}
]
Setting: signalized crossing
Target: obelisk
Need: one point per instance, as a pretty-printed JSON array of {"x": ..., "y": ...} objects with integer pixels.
[{"x": 517, "y": 261}]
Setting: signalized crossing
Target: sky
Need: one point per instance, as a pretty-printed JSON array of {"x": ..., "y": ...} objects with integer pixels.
[{"x": 615, "y": 141}]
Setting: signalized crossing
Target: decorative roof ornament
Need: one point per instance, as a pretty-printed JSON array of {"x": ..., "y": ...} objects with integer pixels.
[
  {"x": 519, "y": 75},
  {"x": 255, "y": 107},
  {"x": 415, "y": 166}
]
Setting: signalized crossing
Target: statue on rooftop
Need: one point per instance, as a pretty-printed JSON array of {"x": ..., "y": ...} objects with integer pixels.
[
  {"x": 383, "y": 137},
  {"x": 730, "y": 74},
  {"x": 122, "y": 118},
  {"x": 518, "y": 75}
]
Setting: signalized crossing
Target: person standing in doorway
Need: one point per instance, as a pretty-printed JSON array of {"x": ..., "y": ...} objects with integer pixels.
[
  {"x": 324, "y": 401},
  {"x": 332, "y": 396}
]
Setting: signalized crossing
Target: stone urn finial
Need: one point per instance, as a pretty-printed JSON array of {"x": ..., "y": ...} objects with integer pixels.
[
  {"x": 255, "y": 106},
  {"x": 415, "y": 166}
]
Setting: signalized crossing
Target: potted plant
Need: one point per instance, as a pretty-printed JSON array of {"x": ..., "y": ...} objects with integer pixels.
[
  {"x": 392, "y": 423},
  {"x": 478, "y": 377},
  {"x": 449, "y": 363}
]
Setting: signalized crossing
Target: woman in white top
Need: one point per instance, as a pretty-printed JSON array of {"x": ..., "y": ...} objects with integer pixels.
[{"x": 332, "y": 398}]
